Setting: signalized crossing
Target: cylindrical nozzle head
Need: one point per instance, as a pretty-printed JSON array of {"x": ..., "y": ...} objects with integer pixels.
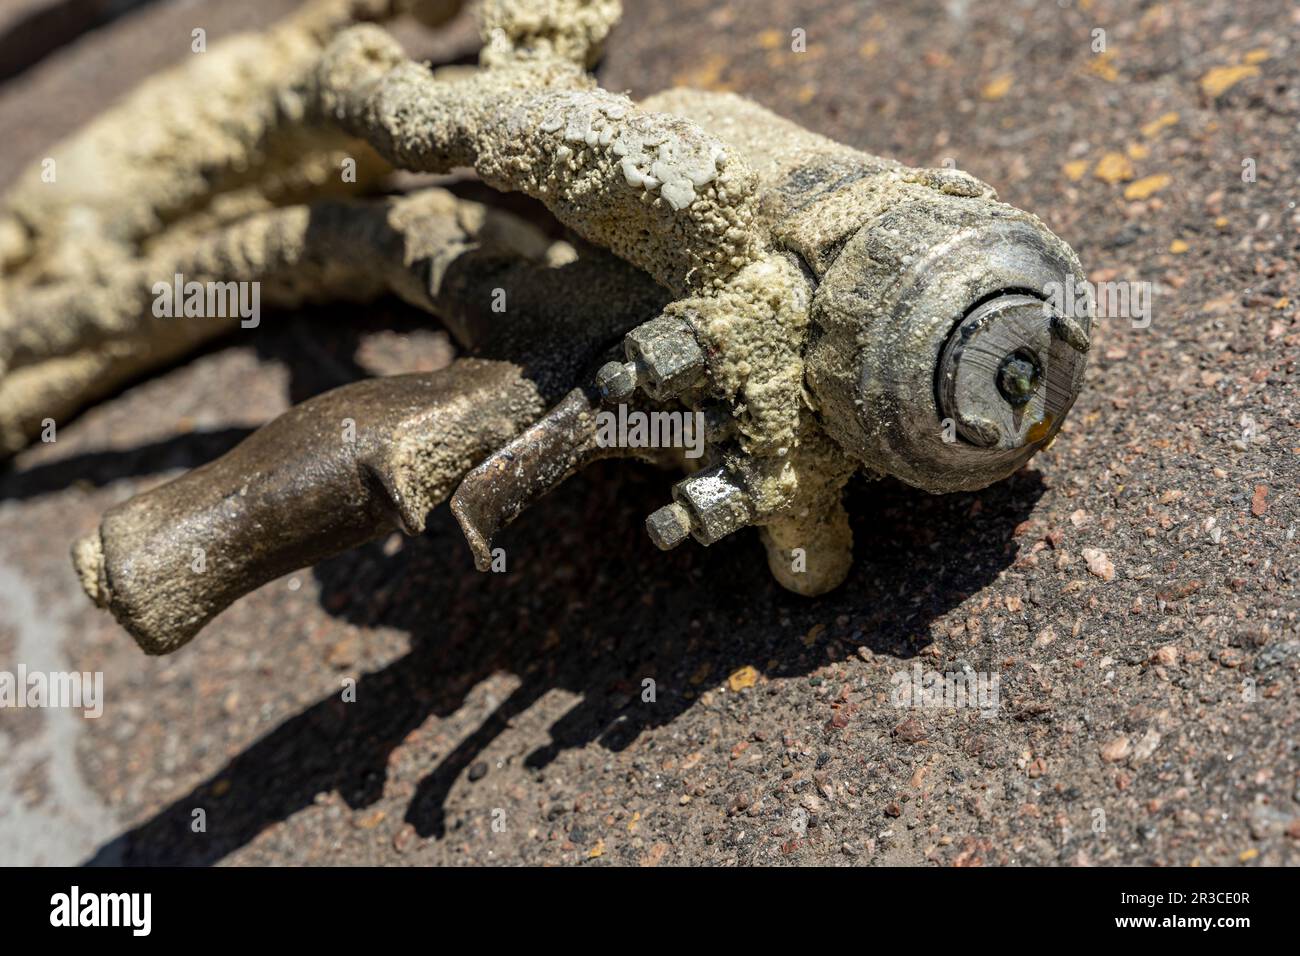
[{"x": 936, "y": 357}]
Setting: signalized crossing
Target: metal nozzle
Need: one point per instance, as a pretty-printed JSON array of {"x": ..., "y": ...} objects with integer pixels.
[{"x": 1006, "y": 372}]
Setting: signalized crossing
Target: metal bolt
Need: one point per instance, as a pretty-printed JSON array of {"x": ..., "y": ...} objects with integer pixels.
[
  {"x": 666, "y": 350},
  {"x": 716, "y": 502},
  {"x": 669, "y": 526},
  {"x": 616, "y": 381}
]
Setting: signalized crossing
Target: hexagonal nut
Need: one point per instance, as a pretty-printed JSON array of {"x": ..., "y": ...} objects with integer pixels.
[
  {"x": 616, "y": 381},
  {"x": 666, "y": 348},
  {"x": 669, "y": 526},
  {"x": 718, "y": 505}
]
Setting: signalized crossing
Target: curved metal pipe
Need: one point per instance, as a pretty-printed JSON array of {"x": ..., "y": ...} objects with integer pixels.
[{"x": 341, "y": 469}]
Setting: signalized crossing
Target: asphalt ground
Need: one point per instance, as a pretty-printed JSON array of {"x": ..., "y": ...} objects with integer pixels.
[{"x": 1147, "y": 691}]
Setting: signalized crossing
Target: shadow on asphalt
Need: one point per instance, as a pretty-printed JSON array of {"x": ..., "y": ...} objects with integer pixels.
[
  {"x": 588, "y": 606},
  {"x": 100, "y": 468},
  {"x": 591, "y": 607}
]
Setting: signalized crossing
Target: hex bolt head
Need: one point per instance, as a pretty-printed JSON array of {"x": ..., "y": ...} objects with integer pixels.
[
  {"x": 669, "y": 526},
  {"x": 616, "y": 381},
  {"x": 716, "y": 502},
  {"x": 666, "y": 349}
]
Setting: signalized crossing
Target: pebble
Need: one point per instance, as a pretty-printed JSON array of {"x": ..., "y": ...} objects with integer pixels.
[
  {"x": 1099, "y": 564},
  {"x": 370, "y": 821},
  {"x": 403, "y": 837},
  {"x": 1146, "y": 746},
  {"x": 345, "y": 653},
  {"x": 478, "y": 771},
  {"x": 1230, "y": 657},
  {"x": 743, "y": 678},
  {"x": 910, "y": 731},
  {"x": 1167, "y": 655},
  {"x": 1115, "y": 750}
]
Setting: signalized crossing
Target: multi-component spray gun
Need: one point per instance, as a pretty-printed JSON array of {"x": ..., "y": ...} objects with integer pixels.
[{"x": 825, "y": 311}]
